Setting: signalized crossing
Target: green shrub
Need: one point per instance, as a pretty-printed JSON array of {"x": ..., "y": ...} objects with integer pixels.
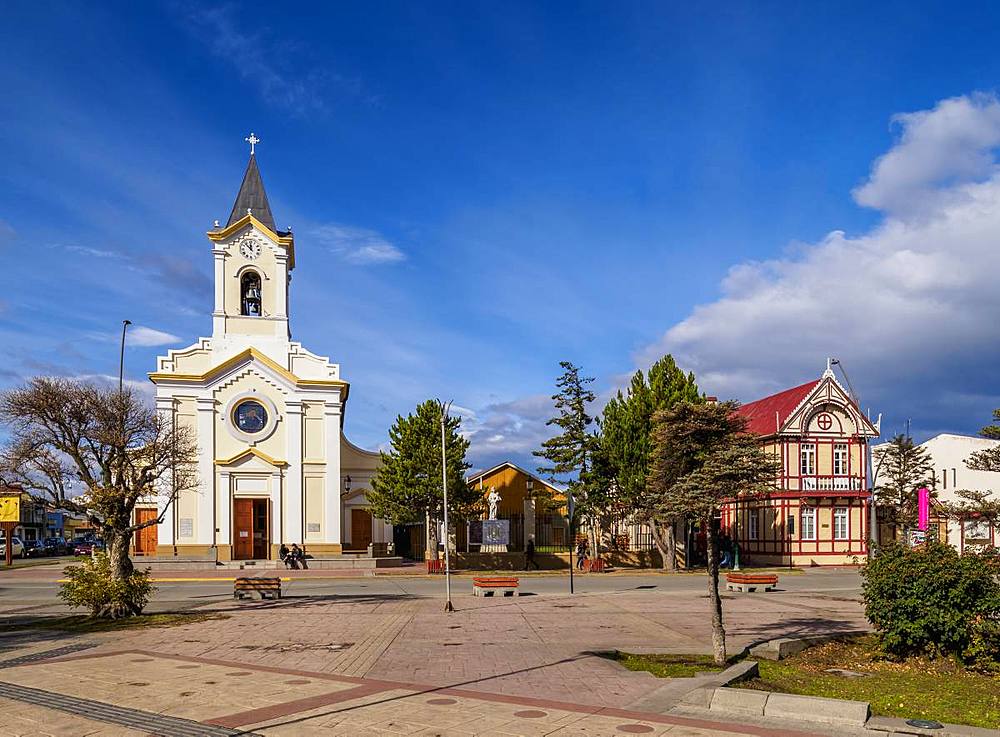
[
  {"x": 934, "y": 601},
  {"x": 91, "y": 585}
]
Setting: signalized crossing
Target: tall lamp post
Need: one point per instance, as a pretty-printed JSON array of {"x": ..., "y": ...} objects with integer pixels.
[
  {"x": 448, "y": 607},
  {"x": 121, "y": 360}
]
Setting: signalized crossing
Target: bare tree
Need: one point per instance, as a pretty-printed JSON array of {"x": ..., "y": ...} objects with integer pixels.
[{"x": 95, "y": 451}]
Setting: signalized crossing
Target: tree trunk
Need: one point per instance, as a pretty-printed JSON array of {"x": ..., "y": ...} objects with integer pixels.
[
  {"x": 432, "y": 538},
  {"x": 663, "y": 538},
  {"x": 595, "y": 539},
  {"x": 718, "y": 632},
  {"x": 117, "y": 545}
]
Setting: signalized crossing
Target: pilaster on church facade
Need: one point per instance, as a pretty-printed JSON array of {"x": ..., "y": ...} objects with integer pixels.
[{"x": 267, "y": 413}]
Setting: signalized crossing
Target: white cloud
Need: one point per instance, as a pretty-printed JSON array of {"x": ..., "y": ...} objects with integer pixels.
[
  {"x": 142, "y": 336},
  {"x": 910, "y": 306},
  {"x": 357, "y": 245},
  {"x": 937, "y": 149},
  {"x": 93, "y": 252}
]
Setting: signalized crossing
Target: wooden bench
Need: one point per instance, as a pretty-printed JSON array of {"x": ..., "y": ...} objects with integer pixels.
[
  {"x": 487, "y": 586},
  {"x": 747, "y": 582},
  {"x": 264, "y": 587}
]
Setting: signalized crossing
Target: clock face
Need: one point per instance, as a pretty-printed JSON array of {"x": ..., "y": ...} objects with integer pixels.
[{"x": 250, "y": 249}]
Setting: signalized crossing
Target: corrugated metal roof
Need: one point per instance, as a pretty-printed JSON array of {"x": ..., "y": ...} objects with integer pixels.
[
  {"x": 252, "y": 197},
  {"x": 766, "y": 416}
]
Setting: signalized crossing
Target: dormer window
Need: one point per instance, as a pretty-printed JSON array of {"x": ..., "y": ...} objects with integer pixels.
[{"x": 250, "y": 294}]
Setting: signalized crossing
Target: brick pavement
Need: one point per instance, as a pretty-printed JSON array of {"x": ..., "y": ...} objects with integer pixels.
[
  {"x": 200, "y": 697},
  {"x": 529, "y": 646}
]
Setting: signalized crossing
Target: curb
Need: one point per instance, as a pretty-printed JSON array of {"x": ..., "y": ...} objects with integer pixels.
[{"x": 785, "y": 647}]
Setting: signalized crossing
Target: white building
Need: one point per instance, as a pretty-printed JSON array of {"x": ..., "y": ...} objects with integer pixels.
[
  {"x": 273, "y": 462},
  {"x": 948, "y": 453}
]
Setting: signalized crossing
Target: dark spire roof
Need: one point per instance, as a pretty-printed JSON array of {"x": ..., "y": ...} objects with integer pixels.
[{"x": 252, "y": 196}]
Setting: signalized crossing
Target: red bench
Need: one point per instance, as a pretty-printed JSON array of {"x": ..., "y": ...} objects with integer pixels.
[
  {"x": 747, "y": 582},
  {"x": 487, "y": 586},
  {"x": 435, "y": 566}
]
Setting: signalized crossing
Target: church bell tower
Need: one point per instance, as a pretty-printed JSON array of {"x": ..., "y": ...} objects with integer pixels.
[{"x": 253, "y": 265}]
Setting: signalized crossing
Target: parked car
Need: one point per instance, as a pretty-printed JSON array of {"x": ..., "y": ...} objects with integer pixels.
[
  {"x": 86, "y": 547},
  {"x": 17, "y": 548},
  {"x": 56, "y": 546},
  {"x": 35, "y": 549}
]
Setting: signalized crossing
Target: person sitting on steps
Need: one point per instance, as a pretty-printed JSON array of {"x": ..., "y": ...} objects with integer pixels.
[{"x": 298, "y": 557}]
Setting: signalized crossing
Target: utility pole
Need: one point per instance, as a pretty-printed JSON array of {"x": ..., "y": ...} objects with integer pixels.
[
  {"x": 572, "y": 538},
  {"x": 121, "y": 360},
  {"x": 444, "y": 487}
]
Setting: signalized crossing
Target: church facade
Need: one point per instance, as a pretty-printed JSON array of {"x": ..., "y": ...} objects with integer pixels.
[{"x": 273, "y": 463}]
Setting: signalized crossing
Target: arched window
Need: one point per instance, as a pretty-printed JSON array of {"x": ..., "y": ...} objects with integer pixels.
[{"x": 250, "y": 294}]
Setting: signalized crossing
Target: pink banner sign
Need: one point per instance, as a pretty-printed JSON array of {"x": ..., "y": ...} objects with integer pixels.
[{"x": 923, "y": 507}]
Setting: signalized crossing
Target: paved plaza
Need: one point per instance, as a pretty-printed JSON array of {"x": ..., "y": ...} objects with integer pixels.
[{"x": 378, "y": 655}]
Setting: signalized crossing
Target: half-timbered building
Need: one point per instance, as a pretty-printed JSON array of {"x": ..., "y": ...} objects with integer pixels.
[{"x": 818, "y": 512}]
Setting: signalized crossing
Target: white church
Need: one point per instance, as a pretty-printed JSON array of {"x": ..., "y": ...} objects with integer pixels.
[{"x": 274, "y": 465}]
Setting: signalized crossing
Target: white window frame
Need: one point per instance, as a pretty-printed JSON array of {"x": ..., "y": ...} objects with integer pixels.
[
  {"x": 807, "y": 523},
  {"x": 807, "y": 459},
  {"x": 840, "y": 455},
  {"x": 754, "y": 528},
  {"x": 841, "y": 523}
]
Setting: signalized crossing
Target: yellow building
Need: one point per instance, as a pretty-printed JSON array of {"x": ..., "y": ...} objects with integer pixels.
[
  {"x": 533, "y": 506},
  {"x": 818, "y": 513}
]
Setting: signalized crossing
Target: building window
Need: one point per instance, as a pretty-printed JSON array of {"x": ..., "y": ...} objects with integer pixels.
[
  {"x": 250, "y": 416},
  {"x": 807, "y": 459},
  {"x": 754, "y": 523},
  {"x": 808, "y": 523},
  {"x": 840, "y": 459},
  {"x": 250, "y": 294},
  {"x": 944, "y": 477},
  {"x": 840, "y": 524},
  {"x": 791, "y": 525}
]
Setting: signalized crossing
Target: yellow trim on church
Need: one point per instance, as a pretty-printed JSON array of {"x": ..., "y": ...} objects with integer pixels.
[
  {"x": 255, "y": 355},
  {"x": 288, "y": 241},
  {"x": 250, "y": 452}
]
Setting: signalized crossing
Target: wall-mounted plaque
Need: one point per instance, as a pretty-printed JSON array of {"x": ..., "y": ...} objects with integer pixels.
[
  {"x": 312, "y": 526},
  {"x": 185, "y": 527}
]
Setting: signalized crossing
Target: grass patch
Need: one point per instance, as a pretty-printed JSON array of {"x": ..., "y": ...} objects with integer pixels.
[
  {"x": 940, "y": 689},
  {"x": 83, "y": 624},
  {"x": 667, "y": 666}
]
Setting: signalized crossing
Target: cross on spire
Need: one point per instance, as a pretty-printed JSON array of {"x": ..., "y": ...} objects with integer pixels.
[{"x": 252, "y": 140}]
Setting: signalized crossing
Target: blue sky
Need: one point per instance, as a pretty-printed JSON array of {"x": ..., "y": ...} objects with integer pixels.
[{"x": 479, "y": 191}]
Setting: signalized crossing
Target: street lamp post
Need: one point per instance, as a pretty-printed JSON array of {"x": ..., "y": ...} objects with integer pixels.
[
  {"x": 448, "y": 607},
  {"x": 121, "y": 360}
]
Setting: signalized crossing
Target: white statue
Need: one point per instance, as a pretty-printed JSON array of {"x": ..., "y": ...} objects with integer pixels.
[{"x": 494, "y": 500}]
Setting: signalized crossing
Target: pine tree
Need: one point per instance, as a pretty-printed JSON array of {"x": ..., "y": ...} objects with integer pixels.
[
  {"x": 626, "y": 442},
  {"x": 570, "y": 452},
  {"x": 407, "y": 486},
  {"x": 703, "y": 456},
  {"x": 906, "y": 467}
]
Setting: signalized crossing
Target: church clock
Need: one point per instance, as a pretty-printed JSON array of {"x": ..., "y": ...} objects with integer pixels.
[{"x": 250, "y": 249}]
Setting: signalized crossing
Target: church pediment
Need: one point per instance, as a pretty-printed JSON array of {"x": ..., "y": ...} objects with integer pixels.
[
  {"x": 251, "y": 356},
  {"x": 249, "y": 458}
]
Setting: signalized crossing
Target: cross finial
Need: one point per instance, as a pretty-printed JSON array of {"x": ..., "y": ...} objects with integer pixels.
[{"x": 252, "y": 140}]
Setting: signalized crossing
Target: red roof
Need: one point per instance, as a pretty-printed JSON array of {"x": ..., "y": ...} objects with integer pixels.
[{"x": 767, "y": 415}]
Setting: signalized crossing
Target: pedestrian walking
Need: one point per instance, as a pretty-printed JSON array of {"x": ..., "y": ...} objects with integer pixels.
[
  {"x": 529, "y": 554},
  {"x": 581, "y": 554}
]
